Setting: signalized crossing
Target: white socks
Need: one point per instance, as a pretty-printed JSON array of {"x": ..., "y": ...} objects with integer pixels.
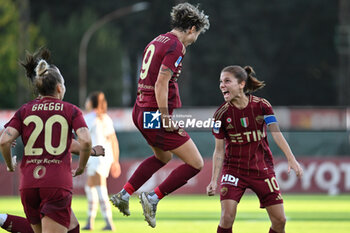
[
  {"x": 104, "y": 202},
  {"x": 92, "y": 198},
  {"x": 3, "y": 218},
  {"x": 125, "y": 195},
  {"x": 152, "y": 196}
]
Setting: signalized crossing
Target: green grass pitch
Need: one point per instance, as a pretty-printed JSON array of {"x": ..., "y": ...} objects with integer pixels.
[{"x": 195, "y": 213}]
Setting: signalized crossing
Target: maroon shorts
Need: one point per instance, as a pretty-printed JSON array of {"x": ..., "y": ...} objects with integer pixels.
[
  {"x": 52, "y": 202},
  {"x": 233, "y": 186},
  {"x": 157, "y": 137}
]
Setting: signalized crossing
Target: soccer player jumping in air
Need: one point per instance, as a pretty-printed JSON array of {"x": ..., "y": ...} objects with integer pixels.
[
  {"x": 158, "y": 92},
  {"x": 242, "y": 151}
]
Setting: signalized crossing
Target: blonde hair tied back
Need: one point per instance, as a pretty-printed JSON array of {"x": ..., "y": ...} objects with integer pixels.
[{"x": 41, "y": 68}]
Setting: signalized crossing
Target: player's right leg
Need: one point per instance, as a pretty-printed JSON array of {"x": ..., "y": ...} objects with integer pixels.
[
  {"x": 228, "y": 214},
  {"x": 92, "y": 198}
]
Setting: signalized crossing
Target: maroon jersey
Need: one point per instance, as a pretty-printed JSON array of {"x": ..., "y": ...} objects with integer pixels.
[
  {"x": 46, "y": 127},
  {"x": 244, "y": 130},
  {"x": 165, "y": 49}
]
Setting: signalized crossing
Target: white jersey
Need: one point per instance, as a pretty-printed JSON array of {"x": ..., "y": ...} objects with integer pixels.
[{"x": 100, "y": 129}]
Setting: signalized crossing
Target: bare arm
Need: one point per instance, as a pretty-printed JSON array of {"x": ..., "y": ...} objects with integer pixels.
[
  {"x": 7, "y": 137},
  {"x": 84, "y": 140},
  {"x": 161, "y": 91},
  {"x": 218, "y": 159},
  {"x": 284, "y": 146},
  {"x": 95, "y": 150},
  {"x": 115, "y": 168}
]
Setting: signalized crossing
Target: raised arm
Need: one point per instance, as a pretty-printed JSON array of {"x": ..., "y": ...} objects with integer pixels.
[
  {"x": 218, "y": 159},
  {"x": 84, "y": 140},
  {"x": 7, "y": 137},
  {"x": 284, "y": 146}
]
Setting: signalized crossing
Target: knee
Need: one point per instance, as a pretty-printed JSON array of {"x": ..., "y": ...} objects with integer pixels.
[
  {"x": 226, "y": 220},
  {"x": 164, "y": 158},
  {"x": 279, "y": 223},
  {"x": 199, "y": 163}
]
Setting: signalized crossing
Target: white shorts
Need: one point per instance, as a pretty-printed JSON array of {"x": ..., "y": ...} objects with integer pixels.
[{"x": 99, "y": 165}]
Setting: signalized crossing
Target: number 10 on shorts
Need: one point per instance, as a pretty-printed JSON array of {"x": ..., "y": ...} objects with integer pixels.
[{"x": 272, "y": 183}]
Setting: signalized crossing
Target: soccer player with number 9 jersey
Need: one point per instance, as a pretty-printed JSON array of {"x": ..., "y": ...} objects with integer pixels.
[
  {"x": 242, "y": 152},
  {"x": 157, "y": 97},
  {"x": 45, "y": 126}
]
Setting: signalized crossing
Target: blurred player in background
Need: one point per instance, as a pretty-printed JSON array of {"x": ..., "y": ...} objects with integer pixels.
[
  {"x": 102, "y": 132},
  {"x": 247, "y": 161},
  {"x": 158, "y": 94},
  {"x": 45, "y": 125}
]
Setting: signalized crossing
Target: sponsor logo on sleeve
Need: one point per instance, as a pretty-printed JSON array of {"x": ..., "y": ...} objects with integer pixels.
[{"x": 178, "y": 61}]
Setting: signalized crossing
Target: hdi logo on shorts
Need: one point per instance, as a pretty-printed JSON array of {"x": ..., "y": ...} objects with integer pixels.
[{"x": 151, "y": 120}]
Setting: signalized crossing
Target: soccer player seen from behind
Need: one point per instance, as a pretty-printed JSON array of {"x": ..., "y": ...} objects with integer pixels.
[
  {"x": 158, "y": 94},
  {"x": 242, "y": 151},
  {"x": 45, "y": 126}
]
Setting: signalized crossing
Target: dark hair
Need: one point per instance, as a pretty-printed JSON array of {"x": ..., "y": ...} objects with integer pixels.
[
  {"x": 246, "y": 74},
  {"x": 184, "y": 16},
  {"x": 44, "y": 77},
  {"x": 93, "y": 98}
]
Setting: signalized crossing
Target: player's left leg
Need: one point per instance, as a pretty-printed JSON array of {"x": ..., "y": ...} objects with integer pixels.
[
  {"x": 277, "y": 217},
  {"x": 188, "y": 153},
  {"x": 49, "y": 225},
  {"x": 106, "y": 209}
]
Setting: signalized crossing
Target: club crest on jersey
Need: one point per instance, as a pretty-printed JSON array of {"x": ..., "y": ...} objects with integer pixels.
[
  {"x": 224, "y": 191},
  {"x": 244, "y": 122},
  {"x": 259, "y": 119},
  {"x": 178, "y": 61}
]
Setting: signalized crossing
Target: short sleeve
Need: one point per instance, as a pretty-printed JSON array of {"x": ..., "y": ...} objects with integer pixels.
[
  {"x": 218, "y": 127},
  {"x": 269, "y": 116},
  {"x": 78, "y": 119},
  {"x": 173, "y": 57},
  {"x": 110, "y": 128},
  {"x": 15, "y": 121}
]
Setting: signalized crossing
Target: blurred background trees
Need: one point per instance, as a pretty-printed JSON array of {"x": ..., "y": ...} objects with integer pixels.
[{"x": 293, "y": 45}]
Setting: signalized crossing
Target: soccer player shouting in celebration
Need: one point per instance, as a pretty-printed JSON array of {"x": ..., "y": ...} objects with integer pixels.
[
  {"x": 45, "y": 125},
  {"x": 242, "y": 151},
  {"x": 158, "y": 92}
]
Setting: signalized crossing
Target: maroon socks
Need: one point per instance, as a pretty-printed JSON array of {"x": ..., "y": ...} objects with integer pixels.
[
  {"x": 17, "y": 224},
  {"x": 223, "y": 230},
  {"x": 176, "y": 179},
  {"x": 145, "y": 171}
]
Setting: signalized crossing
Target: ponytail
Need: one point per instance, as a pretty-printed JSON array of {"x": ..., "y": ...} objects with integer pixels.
[
  {"x": 32, "y": 61},
  {"x": 44, "y": 76},
  {"x": 252, "y": 83},
  {"x": 41, "y": 68}
]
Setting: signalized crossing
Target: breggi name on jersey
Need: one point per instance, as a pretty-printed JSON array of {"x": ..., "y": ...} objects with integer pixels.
[{"x": 48, "y": 107}]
